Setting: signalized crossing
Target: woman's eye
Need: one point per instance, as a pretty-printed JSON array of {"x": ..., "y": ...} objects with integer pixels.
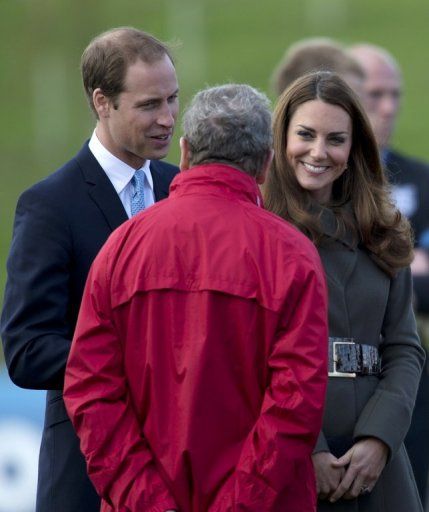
[
  {"x": 338, "y": 140},
  {"x": 304, "y": 134}
]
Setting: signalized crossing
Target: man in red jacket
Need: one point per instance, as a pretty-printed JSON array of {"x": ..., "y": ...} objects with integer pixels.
[{"x": 197, "y": 374}]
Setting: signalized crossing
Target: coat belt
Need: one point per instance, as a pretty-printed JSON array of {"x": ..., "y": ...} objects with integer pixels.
[{"x": 349, "y": 359}]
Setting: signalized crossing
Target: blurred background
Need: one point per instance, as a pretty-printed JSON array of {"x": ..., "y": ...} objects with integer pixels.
[{"x": 46, "y": 119}]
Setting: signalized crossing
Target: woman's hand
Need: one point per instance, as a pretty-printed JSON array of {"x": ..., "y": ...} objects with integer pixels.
[
  {"x": 328, "y": 477},
  {"x": 363, "y": 463}
]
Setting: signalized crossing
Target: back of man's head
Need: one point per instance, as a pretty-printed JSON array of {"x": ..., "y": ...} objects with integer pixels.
[
  {"x": 229, "y": 124},
  {"x": 316, "y": 54},
  {"x": 382, "y": 88},
  {"x": 106, "y": 59}
]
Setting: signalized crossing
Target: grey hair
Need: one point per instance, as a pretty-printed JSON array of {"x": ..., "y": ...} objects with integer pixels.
[{"x": 229, "y": 124}]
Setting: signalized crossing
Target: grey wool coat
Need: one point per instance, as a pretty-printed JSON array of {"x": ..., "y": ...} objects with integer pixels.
[{"x": 375, "y": 309}]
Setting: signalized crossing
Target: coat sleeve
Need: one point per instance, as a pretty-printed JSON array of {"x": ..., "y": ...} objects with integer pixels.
[
  {"x": 321, "y": 444},
  {"x": 35, "y": 332},
  {"x": 119, "y": 460},
  {"x": 387, "y": 415},
  {"x": 275, "y": 470}
]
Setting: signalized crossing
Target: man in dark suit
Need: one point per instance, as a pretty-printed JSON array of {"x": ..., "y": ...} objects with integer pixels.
[
  {"x": 410, "y": 188},
  {"x": 62, "y": 222}
]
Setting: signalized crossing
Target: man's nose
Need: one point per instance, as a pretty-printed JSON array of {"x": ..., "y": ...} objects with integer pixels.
[
  {"x": 389, "y": 105},
  {"x": 167, "y": 116}
]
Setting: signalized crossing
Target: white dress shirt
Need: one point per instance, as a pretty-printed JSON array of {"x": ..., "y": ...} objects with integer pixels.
[{"x": 120, "y": 174}]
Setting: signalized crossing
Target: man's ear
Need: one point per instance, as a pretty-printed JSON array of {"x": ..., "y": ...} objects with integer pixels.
[
  {"x": 101, "y": 102},
  {"x": 260, "y": 178},
  {"x": 184, "y": 154}
]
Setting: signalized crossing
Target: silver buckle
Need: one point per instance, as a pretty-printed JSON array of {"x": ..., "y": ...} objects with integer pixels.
[{"x": 336, "y": 373}]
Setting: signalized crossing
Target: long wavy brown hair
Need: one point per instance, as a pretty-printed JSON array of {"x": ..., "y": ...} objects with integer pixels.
[{"x": 360, "y": 199}]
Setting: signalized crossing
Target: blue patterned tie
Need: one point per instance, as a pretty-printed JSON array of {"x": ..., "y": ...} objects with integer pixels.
[{"x": 137, "y": 197}]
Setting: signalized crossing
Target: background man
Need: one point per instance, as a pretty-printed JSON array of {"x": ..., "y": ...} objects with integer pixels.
[
  {"x": 62, "y": 222},
  {"x": 316, "y": 54},
  {"x": 410, "y": 180},
  {"x": 197, "y": 373}
]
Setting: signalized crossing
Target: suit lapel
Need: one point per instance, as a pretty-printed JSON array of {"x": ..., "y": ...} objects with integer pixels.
[
  {"x": 101, "y": 189},
  {"x": 161, "y": 184}
]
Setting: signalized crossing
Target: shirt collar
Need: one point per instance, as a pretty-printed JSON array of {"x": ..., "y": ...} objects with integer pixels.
[{"x": 118, "y": 172}]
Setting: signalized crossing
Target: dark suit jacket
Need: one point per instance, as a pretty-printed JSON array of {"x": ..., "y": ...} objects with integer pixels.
[
  {"x": 60, "y": 225},
  {"x": 413, "y": 176},
  {"x": 408, "y": 172}
]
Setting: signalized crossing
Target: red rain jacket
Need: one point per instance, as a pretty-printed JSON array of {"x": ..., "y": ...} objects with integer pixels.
[{"x": 197, "y": 374}]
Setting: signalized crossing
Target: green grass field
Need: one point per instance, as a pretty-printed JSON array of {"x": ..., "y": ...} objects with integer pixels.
[{"x": 45, "y": 116}]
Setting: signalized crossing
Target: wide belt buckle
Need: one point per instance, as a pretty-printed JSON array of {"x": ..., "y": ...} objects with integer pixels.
[{"x": 335, "y": 360}]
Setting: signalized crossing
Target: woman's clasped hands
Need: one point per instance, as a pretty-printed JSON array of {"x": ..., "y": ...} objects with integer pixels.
[{"x": 355, "y": 473}]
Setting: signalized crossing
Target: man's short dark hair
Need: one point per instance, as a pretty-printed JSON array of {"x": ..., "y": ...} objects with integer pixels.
[
  {"x": 106, "y": 59},
  {"x": 310, "y": 55}
]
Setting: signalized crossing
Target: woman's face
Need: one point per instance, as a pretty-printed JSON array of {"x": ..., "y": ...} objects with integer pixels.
[{"x": 319, "y": 138}]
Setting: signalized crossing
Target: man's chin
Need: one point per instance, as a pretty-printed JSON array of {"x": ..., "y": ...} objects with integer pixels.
[{"x": 157, "y": 155}]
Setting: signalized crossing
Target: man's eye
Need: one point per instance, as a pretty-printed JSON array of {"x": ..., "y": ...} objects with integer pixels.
[
  {"x": 375, "y": 95},
  {"x": 147, "y": 105}
]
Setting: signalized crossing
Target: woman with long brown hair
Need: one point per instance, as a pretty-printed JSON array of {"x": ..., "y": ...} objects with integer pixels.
[{"x": 327, "y": 180}]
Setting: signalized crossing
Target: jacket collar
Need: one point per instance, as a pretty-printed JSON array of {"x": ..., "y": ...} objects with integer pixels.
[
  {"x": 217, "y": 179},
  {"x": 101, "y": 189},
  {"x": 161, "y": 180},
  {"x": 329, "y": 224}
]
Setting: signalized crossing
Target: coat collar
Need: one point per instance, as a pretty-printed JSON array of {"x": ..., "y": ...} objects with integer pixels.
[
  {"x": 217, "y": 179},
  {"x": 329, "y": 224}
]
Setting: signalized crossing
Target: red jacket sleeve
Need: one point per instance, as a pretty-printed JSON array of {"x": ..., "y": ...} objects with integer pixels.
[
  {"x": 119, "y": 461},
  {"x": 275, "y": 470}
]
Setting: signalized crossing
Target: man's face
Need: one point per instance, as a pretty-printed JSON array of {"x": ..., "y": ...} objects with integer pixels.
[
  {"x": 382, "y": 94},
  {"x": 140, "y": 122}
]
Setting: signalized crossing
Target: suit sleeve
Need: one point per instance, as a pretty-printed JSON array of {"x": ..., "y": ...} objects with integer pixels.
[
  {"x": 119, "y": 460},
  {"x": 35, "y": 332},
  {"x": 387, "y": 415},
  {"x": 275, "y": 470}
]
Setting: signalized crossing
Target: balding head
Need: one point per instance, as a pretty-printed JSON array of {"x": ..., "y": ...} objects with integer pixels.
[{"x": 382, "y": 88}]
